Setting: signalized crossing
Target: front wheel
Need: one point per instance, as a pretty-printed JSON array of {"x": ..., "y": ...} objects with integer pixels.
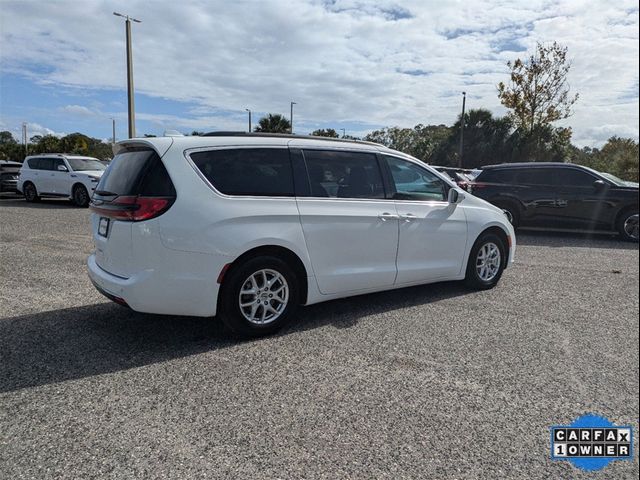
[
  {"x": 81, "y": 196},
  {"x": 258, "y": 297},
  {"x": 628, "y": 225},
  {"x": 487, "y": 261}
]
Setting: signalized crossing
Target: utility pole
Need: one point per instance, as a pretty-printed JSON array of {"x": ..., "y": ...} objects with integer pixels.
[
  {"x": 25, "y": 138},
  {"x": 113, "y": 127},
  {"x": 464, "y": 101},
  {"x": 132, "y": 119},
  {"x": 249, "y": 119},
  {"x": 344, "y": 134},
  {"x": 291, "y": 117}
]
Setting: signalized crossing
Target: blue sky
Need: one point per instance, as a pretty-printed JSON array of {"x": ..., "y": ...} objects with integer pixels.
[{"x": 347, "y": 63}]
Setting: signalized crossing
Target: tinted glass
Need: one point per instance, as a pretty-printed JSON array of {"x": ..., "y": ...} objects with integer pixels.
[
  {"x": 535, "y": 176},
  {"x": 571, "y": 177},
  {"x": 34, "y": 163},
  {"x": 247, "y": 171},
  {"x": 157, "y": 182},
  {"x": 496, "y": 176},
  {"x": 57, "y": 162},
  {"x": 343, "y": 174},
  {"x": 46, "y": 163},
  {"x": 127, "y": 170},
  {"x": 84, "y": 164},
  {"x": 413, "y": 182}
]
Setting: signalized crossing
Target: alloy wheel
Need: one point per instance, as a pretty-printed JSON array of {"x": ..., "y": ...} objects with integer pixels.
[
  {"x": 631, "y": 226},
  {"x": 263, "y": 296},
  {"x": 488, "y": 261}
]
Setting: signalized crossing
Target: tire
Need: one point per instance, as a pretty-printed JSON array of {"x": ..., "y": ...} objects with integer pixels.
[
  {"x": 80, "y": 196},
  {"x": 512, "y": 212},
  {"x": 251, "y": 320},
  {"x": 478, "y": 279},
  {"x": 627, "y": 225},
  {"x": 30, "y": 192}
]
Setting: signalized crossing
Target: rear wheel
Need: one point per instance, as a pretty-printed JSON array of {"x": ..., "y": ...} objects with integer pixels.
[
  {"x": 628, "y": 225},
  {"x": 487, "y": 261},
  {"x": 30, "y": 192},
  {"x": 258, "y": 297},
  {"x": 80, "y": 196}
]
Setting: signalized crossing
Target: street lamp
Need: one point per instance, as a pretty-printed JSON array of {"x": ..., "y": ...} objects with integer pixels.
[
  {"x": 132, "y": 119},
  {"x": 113, "y": 128},
  {"x": 291, "y": 117},
  {"x": 464, "y": 100},
  {"x": 344, "y": 132},
  {"x": 249, "y": 119}
]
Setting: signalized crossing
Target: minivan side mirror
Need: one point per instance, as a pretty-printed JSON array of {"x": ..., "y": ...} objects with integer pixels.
[
  {"x": 455, "y": 196},
  {"x": 62, "y": 168},
  {"x": 599, "y": 185}
]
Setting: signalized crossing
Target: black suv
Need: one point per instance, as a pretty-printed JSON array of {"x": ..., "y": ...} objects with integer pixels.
[{"x": 560, "y": 195}]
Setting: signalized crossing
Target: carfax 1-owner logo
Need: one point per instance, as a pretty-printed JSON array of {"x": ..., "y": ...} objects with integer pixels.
[{"x": 591, "y": 442}]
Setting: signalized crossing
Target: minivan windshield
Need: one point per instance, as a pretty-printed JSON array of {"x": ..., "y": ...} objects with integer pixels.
[{"x": 85, "y": 164}]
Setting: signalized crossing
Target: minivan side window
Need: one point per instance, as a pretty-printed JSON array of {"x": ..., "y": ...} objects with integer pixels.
[
  {"x": 572, "y": 177},
  {"x": 415, "y": 183},
  {"x": 343, "y": 174},
  {"x": 262, "y": 172}
]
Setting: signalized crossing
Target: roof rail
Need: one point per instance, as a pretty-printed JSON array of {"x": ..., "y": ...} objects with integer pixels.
[{"x": 286, "y": 135}]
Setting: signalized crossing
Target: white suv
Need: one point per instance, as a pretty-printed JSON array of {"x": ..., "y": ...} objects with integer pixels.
[
  {"x": 57, "y": 175},
  {"x": 249, "y": 226}
]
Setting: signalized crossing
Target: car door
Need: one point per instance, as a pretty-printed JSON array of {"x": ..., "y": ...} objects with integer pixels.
[
  {"x": 433, "y": 233},
  {"x": 350, "y": 228},
  {"x": 581, "y": 203},
  {"x": 60, "y": 178},
  {"x": 538, "y": 194},
  {"x": 43, "y": 175}
]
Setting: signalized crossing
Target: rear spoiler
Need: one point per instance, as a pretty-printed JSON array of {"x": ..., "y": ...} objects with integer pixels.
[{"x": 159, "y": 144}]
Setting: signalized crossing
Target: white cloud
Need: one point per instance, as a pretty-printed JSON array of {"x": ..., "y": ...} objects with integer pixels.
[{"x": 341, "y": 61}]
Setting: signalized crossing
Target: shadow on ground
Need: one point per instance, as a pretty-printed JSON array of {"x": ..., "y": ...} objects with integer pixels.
[
  {"x": 74, "y": 343},
  {"x": 51, "y": 203},
  {"x": 573, "y": 239}
]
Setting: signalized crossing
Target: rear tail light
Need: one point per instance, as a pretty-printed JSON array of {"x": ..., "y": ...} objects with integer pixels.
[
  {"x": 475, "y": 186},
  {"x": 133, "y": 208}
]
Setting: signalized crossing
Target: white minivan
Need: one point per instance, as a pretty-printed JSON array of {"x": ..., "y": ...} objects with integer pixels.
[{"x": 249, "y": 226}]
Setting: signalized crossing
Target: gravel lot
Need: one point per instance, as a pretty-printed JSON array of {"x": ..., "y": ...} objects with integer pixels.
[{"x": 425, "y": 382}]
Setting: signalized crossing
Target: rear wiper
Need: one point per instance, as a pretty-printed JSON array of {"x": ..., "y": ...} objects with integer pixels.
[{"x": 105, "y": 193}]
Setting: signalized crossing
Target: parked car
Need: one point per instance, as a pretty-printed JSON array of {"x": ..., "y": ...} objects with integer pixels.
[
  {"x": 9, "y": 172},
  {"x": 249, "y": 226},
  {"x": 560, "y": 195},
  {"x": 462, "y": 176},
  {"x": 60, "y": 175}
]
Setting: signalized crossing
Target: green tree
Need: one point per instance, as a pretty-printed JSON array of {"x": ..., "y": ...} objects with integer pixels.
[
  {"x": 618, "y": 156},
  {"x": 6, "y": 138},
  {"x": 487, "y": 140},
  {"x": 420, "y": 141},
  {"x": 273, "y": 123},
  {"x": 328, "y": 132},
  {"x": 538, "y": 93}
]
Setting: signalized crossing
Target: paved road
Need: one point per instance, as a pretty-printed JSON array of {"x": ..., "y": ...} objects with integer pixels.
[{"x": 426, "y": 382}]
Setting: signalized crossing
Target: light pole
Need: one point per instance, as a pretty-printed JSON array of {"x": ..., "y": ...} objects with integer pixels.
[
  {"x": 132, "y": 119},
  {"x": 25, "y": 138},
  {"x": 344, "y": 132},
  {"x": 464, "y": 101},
  {"x": 249, "y": 119},
  {"x": 291, "y": 117},
  {"x": 113, "y": 128}
]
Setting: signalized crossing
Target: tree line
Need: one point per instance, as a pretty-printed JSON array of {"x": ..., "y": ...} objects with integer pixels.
[{"x": 536, "y": 96}]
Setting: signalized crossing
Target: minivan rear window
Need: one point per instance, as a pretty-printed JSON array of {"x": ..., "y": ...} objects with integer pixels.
[
  {"x": 136, "y": 171},
  {"x": 264, "y": 172}
]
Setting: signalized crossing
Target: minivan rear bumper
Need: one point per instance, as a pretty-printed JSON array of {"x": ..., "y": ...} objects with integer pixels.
[{"x": 160, "y": 292}]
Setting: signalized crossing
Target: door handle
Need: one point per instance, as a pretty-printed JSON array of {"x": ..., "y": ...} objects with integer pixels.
[
  {"x": 408, "y": 217},
  {"x": 387, "y": 216}
]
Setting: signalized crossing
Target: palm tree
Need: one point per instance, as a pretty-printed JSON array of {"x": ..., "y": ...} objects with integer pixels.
[{"x": 273, "y": 123}]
